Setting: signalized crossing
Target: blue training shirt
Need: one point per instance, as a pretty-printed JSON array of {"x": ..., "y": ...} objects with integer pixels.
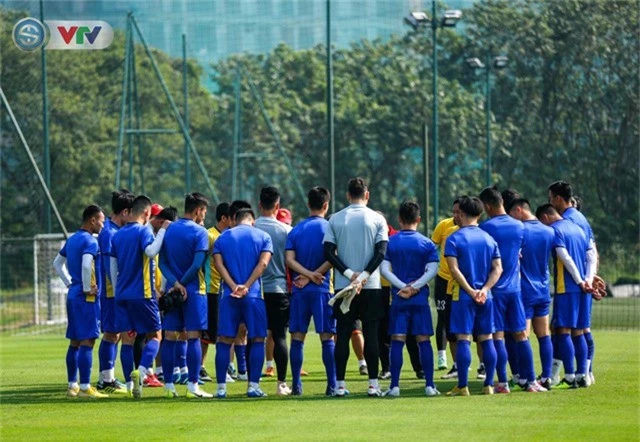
[
  {"x": 534, "y": 266},
  {"x": 475, "y": 251},
  {"x": 104, "y": 241},
  {"x": 575, "y": 216},
  {"x": 509, "y": 234},
  {"x": 570, "y": 236},
  {"x": 80, "y": 243},
  {"x": 240, "y": 248},
  {"x": 306, "y": 240},
  {"x": 182, "y": 240},
  {"x": 409, "y": 252},
  {"x": 136, "y": 271}
]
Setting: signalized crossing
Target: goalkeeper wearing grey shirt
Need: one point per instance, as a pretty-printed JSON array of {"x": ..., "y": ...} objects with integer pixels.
[{"x": 355, "y": 244}]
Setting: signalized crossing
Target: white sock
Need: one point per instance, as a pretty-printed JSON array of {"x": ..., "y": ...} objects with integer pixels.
[
  {"x": 169, "y": 386},
  {"x": 107, "y": 375},
  {"x": 341, "y": 384},
  {"x": 101, "y": 378},
  {"x": 84, "y": 387},
  {"x": 144, "y": 371},
  {"x": 373, "y": 383},
  {"x": 254, "y": 385},
  {"x": 555, "y": 368},
  {"x": 176, "y": 370},
  {"x": 588, "y": 365},
  {"x": 269, "y": 364},
  {"x": 129, "y": 385},
  {"x": 184, "y": 370},
  {"x": 222, "y": 387},
  {"x": 362, "y": 362},
  {"x": 192, "y": 386},
  {"x": 73, "y": 385},
  {"x": 159, "y": 370},
  {"x": 442, "y": 354},
  {"x": 570, "y": 377}
]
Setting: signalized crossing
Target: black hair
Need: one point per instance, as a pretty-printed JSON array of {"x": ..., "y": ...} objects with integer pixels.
[
  {"x": 317, "y": 196},
  {"x": 562, "y": 189},
  {"x": 471, "y": 206},
  {"x": 545, "y": 209},
  {"x": 357, "y": 188},
  {"x": 491, "y": 196},
  {"x": 168, "y": 213},
  {"x": 457, "y": 200},
  {"x": 508, "y": 197},
  {"x": 237, "y": 205},
  {"x": 409, "y": 212},
  {"x": 222, "y": 210},
  {"x": 121, "y": 200},
  {"x": 89, "y": 212},
  {"x": 578, "y": 203},
  {"x": 194, "y": 201},
  {"x": 520, "y": 202},
  {"x": 269, "y": 197},
  {"x": 243, "y": 214},
  {"x": 140, "y": 204}
]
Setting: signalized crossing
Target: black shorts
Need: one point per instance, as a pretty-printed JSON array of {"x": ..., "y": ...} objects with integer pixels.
[
  {"x": 367, "y": 306},
  {"x": 211, "y": 334},
  {"x": 443, "y": 305},
  {"x": 277, "y": 305}
]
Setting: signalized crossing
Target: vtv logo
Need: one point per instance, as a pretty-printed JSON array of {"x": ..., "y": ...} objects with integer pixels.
[{"x": 72, "y": 34}]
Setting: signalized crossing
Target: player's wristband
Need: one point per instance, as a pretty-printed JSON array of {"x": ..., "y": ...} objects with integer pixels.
[
  {"x": 348, "y": 274},
  {"x": 362, "y": 276}
]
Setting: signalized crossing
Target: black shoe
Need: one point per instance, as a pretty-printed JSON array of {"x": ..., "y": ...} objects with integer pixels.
[
  {"x": 546, "y": 384},
  {"x": 582, "y": 383},
  {"x": 384, "y": 375},
  {"x": 204, "y": 375},
  {"x": 160, "y": 377},
  {"x": 420, "y": 374},
  {"x": 572, "y": 384}
]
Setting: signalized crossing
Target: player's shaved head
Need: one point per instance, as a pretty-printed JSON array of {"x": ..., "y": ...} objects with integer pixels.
[
  {"x": 90, "y": 212},
  {"x": 140, "y": 204},
  {"x": 357, "y": 188},
  {"x": 491, "y": 196},
  {"x": 194, "y": 201},
  {"x": 470, "y": 206},
  {"x": 409, "y": 212},
  {"x": 269, "y": 197},
  {"x": 546, "y": 209},
  {"x": 244, "y": 215}
]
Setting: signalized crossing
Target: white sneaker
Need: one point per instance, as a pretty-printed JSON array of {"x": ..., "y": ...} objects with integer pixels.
[
  {"x": 341, "y": 392},
  {"x": 243, "y": 376},
  {"x": 283, "y": 389},
  {"x": 431, "y": 391},
  {"x": 592, "y": 378},
  {"x": 392, "y": 392},
  {"x": 221, "y": 393},
  {"x": 229, "y": 379},
  {"x": 198, "y": 393},
  {"x": 375, "y": 391}
]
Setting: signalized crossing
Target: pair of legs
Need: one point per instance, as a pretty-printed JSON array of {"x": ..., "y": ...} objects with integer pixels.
[
  {"x": 82, "y": 332},
  {"x": 443, "y": 309},
  {"x": 571, "y": 318},
  {"x": 537, "y": 314},
  {"x": 277, "y": 307},
  {"x": 108, "y": 350}
]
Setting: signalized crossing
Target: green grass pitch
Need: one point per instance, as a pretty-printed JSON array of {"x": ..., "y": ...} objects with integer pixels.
[{"x": 33, "y": 405}]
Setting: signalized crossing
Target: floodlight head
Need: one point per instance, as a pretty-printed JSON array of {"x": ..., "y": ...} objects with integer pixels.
[
  {"x": 500, "y": 62},
  {"x": 474, "y": 63},
  {"x": 416, "y": 19},
  {"x": 451, "y": 17}
]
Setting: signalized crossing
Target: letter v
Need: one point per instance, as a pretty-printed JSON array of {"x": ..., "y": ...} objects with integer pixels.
[{"x": 67, "y": 35}]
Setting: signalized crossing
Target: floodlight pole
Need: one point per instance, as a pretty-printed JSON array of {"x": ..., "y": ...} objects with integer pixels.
[
  {"x": 330, "y": 127},
  {"x": 434, "y": 129}
]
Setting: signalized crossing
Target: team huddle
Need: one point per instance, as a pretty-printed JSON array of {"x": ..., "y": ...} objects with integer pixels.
[{"x": 166, "y": 288}]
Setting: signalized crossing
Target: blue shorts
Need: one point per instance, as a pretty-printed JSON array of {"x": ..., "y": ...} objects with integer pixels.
[
  {"x": 584, "y": 313},
  {"x": 410, "y": 319},
  {"x": 84, "y": 318},
  {"x": 234, "y": 311},
  {"x": 192, "y": 316},
  {"x": 536, "y": 308},
  {"x": 108, "y": 315},
  {"x": 508, "y": 312},
  {"x": 139, "y": 315},
  {"x": 566, "y": 307},
  {"x": 304, "y": 305},
  {"x": 469, "y": 317}
]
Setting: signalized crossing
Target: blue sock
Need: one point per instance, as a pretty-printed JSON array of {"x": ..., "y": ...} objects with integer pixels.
[
  {"x": 241, "y": 357},
  {"x": 256, "y": 360},
  {"x": 181, "y": 354},
  {"x": 426, "y": 358},
  {"x": 501, "y": 360},
  {"x": 126, "y": 359},
  {"x": 103, "y": 355},
  {"x": 194, "y": 359},
  {"x": 85, "y": 359},
  {"x": 113, "y": 354},
  {"x": 512, "y": 353},
  {"x": 395, "y": 362},
  {"x": 546, "y": 355},
  {"x": 463, "y": 360},
  {"x": 591, "y": 348},
  {"x": 525, "y": 359},
  {"x": 555, "y": 342},
  {"x": 328, "y": 351},
  {"x": 149, "y": 353},
  {"x": 489, "y": 359},
  {"x": 223, "y": 357},
  {"x": 567, "y": 353},
  {"x": 168, "y": 359},
  {"x": 72, "y": 364},
  {"x": 580, "y": 345},
  {"x": 296, "y": 356}
]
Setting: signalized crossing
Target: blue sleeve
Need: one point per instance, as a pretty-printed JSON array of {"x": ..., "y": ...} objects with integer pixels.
[
  {"x": 198, "y": 262},
  {"x": 496, "y": 251},
  {"x": 165, "y": 269},
  {"x": 202, "y": 241},
  {"x": 558, "y": 240},
  {"x": 91, "y": 247},
  {"x": 146, "y": 237},
  {"x": 267, "y": 245},
  {"x": 433, "y": 253},
  {"x": 63, "y": 250},
  {"x": 219, "y": 244},
  {"x": 450, "y": 247}
]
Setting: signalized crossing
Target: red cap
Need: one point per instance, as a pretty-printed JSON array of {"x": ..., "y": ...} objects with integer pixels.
[
  {"x": 156, "y": 209},
  {"x": 284, "y": 216}
]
